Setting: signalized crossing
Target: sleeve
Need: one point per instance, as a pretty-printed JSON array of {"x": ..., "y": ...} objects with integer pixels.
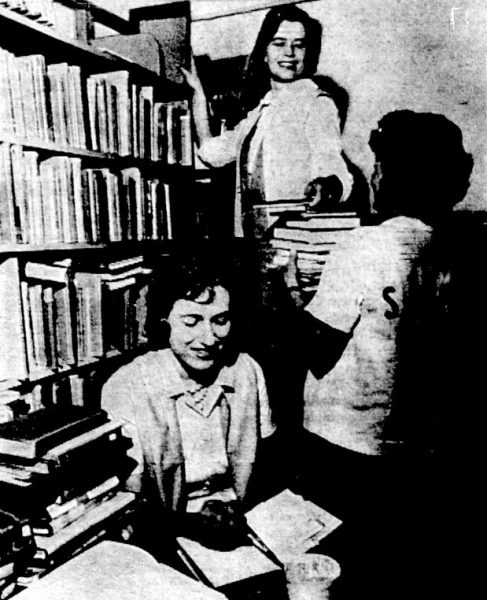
[
  {"x": 117, "y": 395},
  {"x": 266, "y": 423},
  {"x": 323, "y": 131},
  {"x": 222, "y": 149},
  {"x": 341, "y": 291}
]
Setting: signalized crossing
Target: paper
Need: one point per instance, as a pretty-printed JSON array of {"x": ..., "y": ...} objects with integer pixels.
[
  {"x": 222, "y": 568},
  {"x": 288, "y": 524},
  {"x": 114, "y": 571}
]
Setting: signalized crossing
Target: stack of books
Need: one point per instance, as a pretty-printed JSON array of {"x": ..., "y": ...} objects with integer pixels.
[
  {"x": 61, "y": 471},
  {"x": 15, "y": 541},
  {"x": 312, "y": 237}
]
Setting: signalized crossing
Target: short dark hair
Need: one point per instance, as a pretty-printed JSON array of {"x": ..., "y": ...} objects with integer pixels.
[
  {"x": 188, "y": 277},
  {"x": 256, "y": 81},
  {"x": 423, "y": 162}
]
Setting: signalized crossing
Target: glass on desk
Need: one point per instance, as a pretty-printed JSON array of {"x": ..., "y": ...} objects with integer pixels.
[{"x": 309, "y": 576}]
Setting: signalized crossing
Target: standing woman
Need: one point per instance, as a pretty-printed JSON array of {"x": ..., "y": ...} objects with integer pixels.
[{"x": 287, "y": 145}]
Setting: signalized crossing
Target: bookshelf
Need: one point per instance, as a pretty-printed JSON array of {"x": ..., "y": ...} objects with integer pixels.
[
  {"x": 89, "y": 156},
  {"x": 95, "y": 149}
]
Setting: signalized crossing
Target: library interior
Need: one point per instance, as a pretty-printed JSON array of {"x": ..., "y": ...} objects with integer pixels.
[{"x": 242, "y": 320}]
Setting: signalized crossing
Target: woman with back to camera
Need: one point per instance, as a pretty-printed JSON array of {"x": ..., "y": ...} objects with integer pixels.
[{"x": 287, "y": 145}]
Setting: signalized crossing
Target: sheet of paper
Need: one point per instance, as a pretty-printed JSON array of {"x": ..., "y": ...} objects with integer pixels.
[
  {"x": 222, "y": 568},
  {"x": 288, "y": 524}
]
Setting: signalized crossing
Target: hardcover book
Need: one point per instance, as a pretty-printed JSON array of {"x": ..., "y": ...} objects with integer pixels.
[{"x": 33, "y": 434}]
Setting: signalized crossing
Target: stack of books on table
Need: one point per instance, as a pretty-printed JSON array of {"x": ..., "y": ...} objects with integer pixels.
[
  {"x": 61, "y": 471},
  {"x": 312, "y": 236},
  {"x": 15, "y": 541}
]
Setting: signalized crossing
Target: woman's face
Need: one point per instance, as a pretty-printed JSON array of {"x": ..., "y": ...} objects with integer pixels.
[
  {"x": 199, "y": 329},
  {"x": 286, "y": 51}
]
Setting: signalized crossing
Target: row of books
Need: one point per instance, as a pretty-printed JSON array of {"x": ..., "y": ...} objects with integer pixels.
[
  {"x": 57, "y": 201},
  {"x": 311, "y": 237},
  {"x": 69, "y": 388},
  {"x": 42, "y": 11},
  {"x": 61, "y": 476},
  {"x": 72, "y": 317},
  {"x": 105, "y": 112}
]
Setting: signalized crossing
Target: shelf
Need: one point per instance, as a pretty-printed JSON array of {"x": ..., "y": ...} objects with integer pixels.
[
  {"x": 100, "y": 361},
  {"x": 128, "y": 246},
  {"x": 25, "y": 36},
  {"x": 51, "y": 148}
]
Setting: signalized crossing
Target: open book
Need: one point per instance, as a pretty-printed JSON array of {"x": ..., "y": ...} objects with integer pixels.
[
  {"x": 225, "y": 567},
  {"x": 111, "y": 570},
  {"x": 287, "y": 524}
]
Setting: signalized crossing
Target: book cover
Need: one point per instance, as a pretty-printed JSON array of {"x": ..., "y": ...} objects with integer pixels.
[
  {"x": 50, "y": 546},
  {"x": 9, "y": 225},
  {"x": 33, "y": 434},
  {"x": 316, "y": 236}
]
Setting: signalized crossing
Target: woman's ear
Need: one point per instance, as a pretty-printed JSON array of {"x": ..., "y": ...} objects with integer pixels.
[{"x": 163, "y": 333}]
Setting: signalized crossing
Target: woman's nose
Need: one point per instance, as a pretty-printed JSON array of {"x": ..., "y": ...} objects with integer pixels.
[
  {"x": 208, "y": 336},
  {"x": 289, "y": 50}
]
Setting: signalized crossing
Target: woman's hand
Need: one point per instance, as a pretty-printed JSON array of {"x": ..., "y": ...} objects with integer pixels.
[
  {"x": 324, "y": 194},
  {"x": 219, "y": 525},
  {"x": 192, "y": 78}
]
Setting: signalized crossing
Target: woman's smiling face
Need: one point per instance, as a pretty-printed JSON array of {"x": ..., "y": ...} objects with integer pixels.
[{"x": 286, "y": 52}]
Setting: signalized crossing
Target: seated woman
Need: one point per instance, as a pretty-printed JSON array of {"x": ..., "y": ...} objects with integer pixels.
[{"x": 196, "y": 413}]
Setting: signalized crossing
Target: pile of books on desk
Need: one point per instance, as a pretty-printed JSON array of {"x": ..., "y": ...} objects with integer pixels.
[
  {"x": 15, "y": 542},
  {"x": 61, "y": 471},
  {"x": 312, "y": 236}
]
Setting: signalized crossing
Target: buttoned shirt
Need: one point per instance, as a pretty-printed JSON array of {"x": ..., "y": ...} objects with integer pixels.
[
  {"x": 295, "y": 137},
  {"x": 147, "y": 395}
]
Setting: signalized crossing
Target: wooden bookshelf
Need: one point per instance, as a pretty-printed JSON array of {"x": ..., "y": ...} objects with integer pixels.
[
  {"x": 26, "y": 36},
  {"x": 85, "y": 245}
]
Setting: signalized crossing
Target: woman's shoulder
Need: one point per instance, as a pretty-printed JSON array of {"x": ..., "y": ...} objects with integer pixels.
[
  {"x": 149, "y": 361},
  {"x": 245, "y": 366}
]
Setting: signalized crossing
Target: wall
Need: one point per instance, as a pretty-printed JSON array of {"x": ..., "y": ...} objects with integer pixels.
[
  {"x": 388, "y": 54},
  {"x": 391, "y": 54}
]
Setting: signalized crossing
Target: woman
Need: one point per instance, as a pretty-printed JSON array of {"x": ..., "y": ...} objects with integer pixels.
[
  {"x": 196, "y": 413},
  {"x": 288, "y": 144}
]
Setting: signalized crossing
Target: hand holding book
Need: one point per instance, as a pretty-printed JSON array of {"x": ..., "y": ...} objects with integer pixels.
[{"x": 324, "y": 194}]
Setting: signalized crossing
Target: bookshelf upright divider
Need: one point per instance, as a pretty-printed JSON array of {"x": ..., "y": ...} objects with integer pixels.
[{"x": 91, "y": 145}]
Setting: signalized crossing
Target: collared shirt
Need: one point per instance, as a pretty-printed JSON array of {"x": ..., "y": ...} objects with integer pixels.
[{"x": 147, "y": 394}]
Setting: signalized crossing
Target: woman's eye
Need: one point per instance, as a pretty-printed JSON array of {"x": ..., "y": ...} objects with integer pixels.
[
  {"x": 189, "y": 321},
  {"x": 221, "y": 321},
  {"x": 277, "y": 43}
]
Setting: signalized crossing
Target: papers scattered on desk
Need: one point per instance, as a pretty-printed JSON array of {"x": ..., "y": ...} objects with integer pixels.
[
  {"x": 223, "y": 568},
  {"x": 288, "y": 524}
]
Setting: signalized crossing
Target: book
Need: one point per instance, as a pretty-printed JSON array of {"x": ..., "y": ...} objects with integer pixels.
[
  {"x": 33, "y": 434},
  {"x": 316, "y": 248},
  {"x": 48, "y": 547},
  {"x": 325, "y": 222},
  {"x": 115, "y": 570},
  {"x": 306, "y": 236},
  {"x": 288, "y": 524},
  {"x": 222, "y": 568},
  {"x": 13, "y": 364}
]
